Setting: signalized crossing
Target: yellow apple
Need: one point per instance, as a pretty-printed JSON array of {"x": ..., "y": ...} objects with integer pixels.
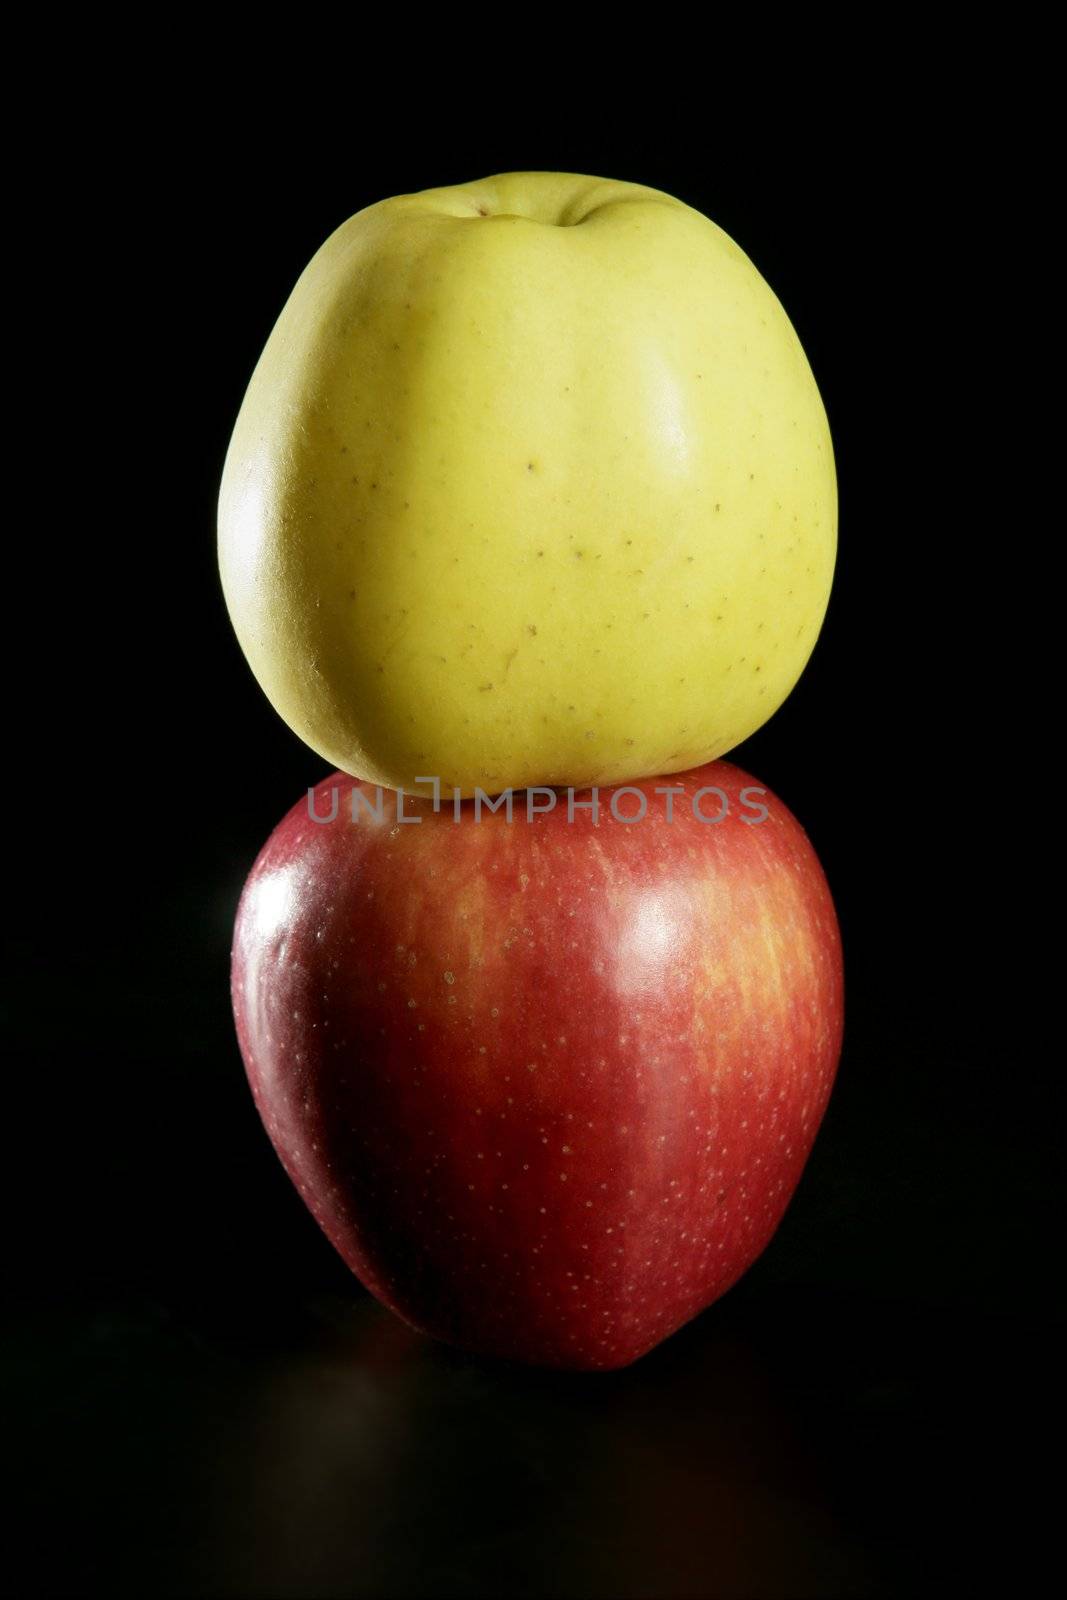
[{"x": 532, "y": 485}]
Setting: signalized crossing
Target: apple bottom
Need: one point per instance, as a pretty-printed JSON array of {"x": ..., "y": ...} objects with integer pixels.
[{"x": 547, "y": 1085}]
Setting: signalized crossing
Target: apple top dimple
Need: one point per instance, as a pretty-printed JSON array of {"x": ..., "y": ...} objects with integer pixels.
[{"x": 549, "y": 199}]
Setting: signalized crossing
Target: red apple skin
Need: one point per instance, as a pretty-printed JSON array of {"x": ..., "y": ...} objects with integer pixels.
[{"x": 547, "y": 1086}]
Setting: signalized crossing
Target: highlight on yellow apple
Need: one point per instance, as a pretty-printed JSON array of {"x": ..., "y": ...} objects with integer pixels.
[{"x": 532, "y": 484}]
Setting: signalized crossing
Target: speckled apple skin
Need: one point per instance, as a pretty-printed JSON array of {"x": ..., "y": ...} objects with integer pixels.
[{"x": 548, "y": 1086}]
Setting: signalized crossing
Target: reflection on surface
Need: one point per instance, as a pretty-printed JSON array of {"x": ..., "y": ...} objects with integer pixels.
[
  {"x": 789, "y": 1443},
  {"x": 390, "y": 1465}
]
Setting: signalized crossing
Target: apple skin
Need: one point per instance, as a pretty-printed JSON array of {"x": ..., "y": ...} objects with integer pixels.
[
  {"x": 531, "y": 484},
  {"x": 547, "y": 1086}
]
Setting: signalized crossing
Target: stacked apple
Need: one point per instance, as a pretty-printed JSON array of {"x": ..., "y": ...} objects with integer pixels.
[{"x": 528, "y": 518}]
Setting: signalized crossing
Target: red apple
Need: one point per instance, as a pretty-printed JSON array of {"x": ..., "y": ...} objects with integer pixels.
[{"x": 547, "y": 1084}]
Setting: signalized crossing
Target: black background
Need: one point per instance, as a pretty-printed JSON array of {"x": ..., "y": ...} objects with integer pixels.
[{"x": 204, "y": 1401}]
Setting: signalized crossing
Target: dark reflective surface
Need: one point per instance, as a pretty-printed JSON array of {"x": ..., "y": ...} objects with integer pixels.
[{"x": 788, "y": 1444}]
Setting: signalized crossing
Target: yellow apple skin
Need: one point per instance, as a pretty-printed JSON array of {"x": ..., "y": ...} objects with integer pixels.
[{"x": 532, "y": 484}]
